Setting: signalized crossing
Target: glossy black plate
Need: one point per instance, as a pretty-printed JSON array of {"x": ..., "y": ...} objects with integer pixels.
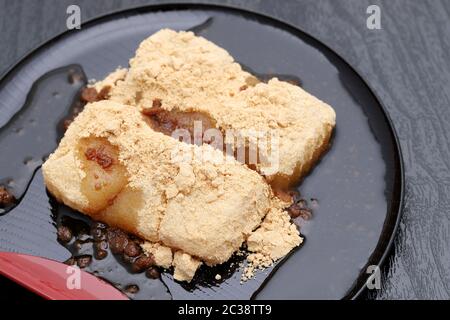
[{"x": 356, "y": 189}]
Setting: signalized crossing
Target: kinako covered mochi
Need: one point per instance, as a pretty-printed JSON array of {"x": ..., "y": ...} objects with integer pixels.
[
  {"x": 187, "y": 73},
  {"x": 113, "y": 167},
  {"x": 176, "y": 78}
]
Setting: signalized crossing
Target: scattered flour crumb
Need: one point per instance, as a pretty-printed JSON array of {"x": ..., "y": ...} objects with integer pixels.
[
  {"x": 274, "y": 239},
  {"x": 163, "y": 255}
]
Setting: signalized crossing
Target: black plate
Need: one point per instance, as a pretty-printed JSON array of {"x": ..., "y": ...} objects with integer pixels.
[{"x": 358, "y": 185}]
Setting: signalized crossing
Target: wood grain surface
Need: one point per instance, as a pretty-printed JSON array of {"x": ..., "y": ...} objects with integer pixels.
[{"x": 407, "y": 64}]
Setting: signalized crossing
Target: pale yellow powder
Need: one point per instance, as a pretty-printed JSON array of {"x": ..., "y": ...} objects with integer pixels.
[
  {"x": 163, "y": 255},
  {"x": 275, "y": 238},
  {"x": 111, "y": 80},
  {"x": 185, "y": 266}
]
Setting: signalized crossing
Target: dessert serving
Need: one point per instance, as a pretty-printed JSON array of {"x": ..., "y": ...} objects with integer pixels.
[{"x": 193, "y": 155}]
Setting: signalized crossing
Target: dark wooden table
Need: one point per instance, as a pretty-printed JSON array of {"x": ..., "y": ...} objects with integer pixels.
[{"x": 407, "y": 63}]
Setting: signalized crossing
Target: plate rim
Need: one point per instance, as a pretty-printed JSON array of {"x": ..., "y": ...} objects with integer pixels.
[{"x": 357, "y": 289}]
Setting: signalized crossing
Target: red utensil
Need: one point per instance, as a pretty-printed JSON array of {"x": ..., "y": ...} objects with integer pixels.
[{"x": 54, "y": 280}]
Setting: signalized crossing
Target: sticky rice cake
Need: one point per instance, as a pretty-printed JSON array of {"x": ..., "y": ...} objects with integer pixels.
[
  {"x": 111, "y": 166},
  {"x": 189, "y": 73}
]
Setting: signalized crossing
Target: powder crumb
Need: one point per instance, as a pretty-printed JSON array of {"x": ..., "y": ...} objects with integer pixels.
[
  {"x": 274, "y": 239},
  {"x": 163, "y": 255},
  {"x": 110, "y": 81},
  {"x": 185, "y": 266},
  {"x": 218, "y": 277}
]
